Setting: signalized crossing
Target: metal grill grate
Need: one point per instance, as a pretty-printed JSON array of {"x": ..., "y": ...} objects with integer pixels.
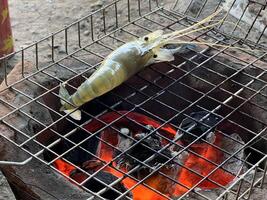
[{"x": 240, "y": 83}]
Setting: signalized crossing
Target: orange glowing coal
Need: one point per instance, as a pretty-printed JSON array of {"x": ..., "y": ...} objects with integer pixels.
[
  {"x": 140, "y": 192},
  {"x": 63, "y": 167},
  {"x": 204, "y": 168},
  {"x": 185, "y": 178}
]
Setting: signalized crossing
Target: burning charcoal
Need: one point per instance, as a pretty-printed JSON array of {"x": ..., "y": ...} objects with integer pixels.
[
  {"x": 198, "y": 129},
  {"x": 234, "y": 163},
  {"x": 154, "y": 141},
  {"x": 224, "y": 175},
  {"x": 141, "y": 152},
  {"x": 94, "y": 184},
  {"x": 124, "y": 142}
]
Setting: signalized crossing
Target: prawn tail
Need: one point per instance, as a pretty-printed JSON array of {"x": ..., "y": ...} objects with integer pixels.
[{"x": 66, "y": 107}]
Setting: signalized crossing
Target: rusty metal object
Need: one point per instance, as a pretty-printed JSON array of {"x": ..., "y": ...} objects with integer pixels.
[{"x": 6, "y": 40}]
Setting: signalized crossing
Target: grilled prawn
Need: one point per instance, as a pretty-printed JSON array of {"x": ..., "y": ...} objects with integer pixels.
[{"x": 124, "y": 62}]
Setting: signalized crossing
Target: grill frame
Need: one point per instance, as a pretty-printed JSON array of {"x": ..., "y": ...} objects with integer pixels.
[{"x": 154, "y": 8}]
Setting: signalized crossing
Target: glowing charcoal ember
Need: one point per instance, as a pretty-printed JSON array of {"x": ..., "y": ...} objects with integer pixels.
[
  {"x": 198, "y": 123},
  {"x": 150, "y": 143},
  {"x": 204, "y": 167},
  {"x": 94, "y": 125},
  {"x": 64, "y": 167},
  {"x": 199, "y": 163},
  {"x": 100, "y": 180},
  {"x": 150, "y": 138},
  {"x": 140, "y": 192},
  {"x": 105, "y": 152}
]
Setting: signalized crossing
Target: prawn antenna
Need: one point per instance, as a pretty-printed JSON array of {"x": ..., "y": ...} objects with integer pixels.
[{"x": 175, "y": 37}]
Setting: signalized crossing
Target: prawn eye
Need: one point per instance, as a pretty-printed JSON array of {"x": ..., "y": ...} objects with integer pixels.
[
  {"x": 155, "y": 56},
  {"x": 146, "y": 38}
]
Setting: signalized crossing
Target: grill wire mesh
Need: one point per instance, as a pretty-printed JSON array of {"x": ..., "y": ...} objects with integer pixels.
[{"x": 132, "y": 19}]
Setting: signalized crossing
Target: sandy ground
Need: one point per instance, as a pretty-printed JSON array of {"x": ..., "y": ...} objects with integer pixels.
[{"x": 33, "y": 19}]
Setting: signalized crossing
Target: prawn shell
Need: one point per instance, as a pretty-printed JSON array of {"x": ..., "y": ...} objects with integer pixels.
[{"x": 115, "y": 69}]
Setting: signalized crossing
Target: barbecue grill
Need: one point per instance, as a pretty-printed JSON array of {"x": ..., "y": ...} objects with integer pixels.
[{"x": 213, "y": 97}]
